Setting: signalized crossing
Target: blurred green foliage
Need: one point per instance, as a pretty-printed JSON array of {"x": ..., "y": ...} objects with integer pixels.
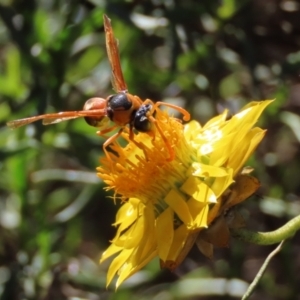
[{"x": 55, "y": 217}]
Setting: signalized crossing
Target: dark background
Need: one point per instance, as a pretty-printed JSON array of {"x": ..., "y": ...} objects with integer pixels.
[{"x": 55, "y": 217}]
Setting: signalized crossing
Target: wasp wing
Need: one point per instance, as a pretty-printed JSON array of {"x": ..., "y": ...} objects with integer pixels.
[
  {"x": 118, "y": 81},
  {"x": 58, "y": 117},
  {"x": 49, "y": 121}
]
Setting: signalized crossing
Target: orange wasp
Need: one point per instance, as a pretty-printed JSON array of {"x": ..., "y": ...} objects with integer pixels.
[{"x": 122, "y": 108}]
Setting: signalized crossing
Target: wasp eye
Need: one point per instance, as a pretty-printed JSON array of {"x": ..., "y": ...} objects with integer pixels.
[{"x": 92, "y": 104}]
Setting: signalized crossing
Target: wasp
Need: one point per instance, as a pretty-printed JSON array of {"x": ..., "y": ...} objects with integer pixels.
[{"x": 123, "y": 109}]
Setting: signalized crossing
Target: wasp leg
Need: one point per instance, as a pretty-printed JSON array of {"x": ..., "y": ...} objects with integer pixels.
[
  {"x": 130, "y": 137},
  {"x": 186, "y": 114},
  {"x": 154, "y": 121},
  {"x": 106, "y": 130},
  {"x": 131, "y": 133},
  {"x": 111, "y": 139},
  {"x": 171, "y": 151}
]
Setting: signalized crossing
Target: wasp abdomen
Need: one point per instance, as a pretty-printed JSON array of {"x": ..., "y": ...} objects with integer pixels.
[{"x": 92, "y": 104}]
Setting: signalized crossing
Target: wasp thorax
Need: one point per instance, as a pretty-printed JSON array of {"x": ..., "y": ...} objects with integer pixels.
[
  {"x": 119, "y": 108},
  {"x": 96, "y": 104},
  {"x": 119, "y": 101}
]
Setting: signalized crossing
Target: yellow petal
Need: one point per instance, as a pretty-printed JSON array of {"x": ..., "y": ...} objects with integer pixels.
[
  {"x": 221, "y": 150},
  {"x": 247, "y": 117},
  {"x": 195, "y": 188},
  {"x": 116, "y": 264},
  {"x": 222, "y": 183},
  {"x": 178, "y": 203},
  {"x": 127, "y": 210},
  {"x": 126, "y": 216},
  {"x": 256, "y": 108},
  {"x": 255, "y": 136},
  {"x": 190, "y": 129},
  {"x": 164, "y": 232},
  {"x": 217, "y": 121},
  {"x": 111, "y": 250},
  {"x": 241, "y": 155},
  {"x": 188, "y": 244},
  {"x": 129, "y": 269},
  {"x": 135, "y": 233},
  {"x": 124, "y": 273},
  {"x": 179, "y": 240},
  {"x": 199, "y": 211},
  {"x": 202, "y": 217},
  {"x": 147, "y": 242},
  {"x": 202, "y": 170}
]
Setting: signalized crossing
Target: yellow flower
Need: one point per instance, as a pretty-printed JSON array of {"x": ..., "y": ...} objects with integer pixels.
[{"x": 166, "y": 204}]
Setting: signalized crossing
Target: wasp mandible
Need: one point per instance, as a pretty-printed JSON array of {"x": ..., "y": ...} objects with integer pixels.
[{"x": 122, "y": 109}]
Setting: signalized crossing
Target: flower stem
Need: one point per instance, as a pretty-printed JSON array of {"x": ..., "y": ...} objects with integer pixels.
[
  {"x": 268, "y": 238},
  {"x": 261, "y": 272}
]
